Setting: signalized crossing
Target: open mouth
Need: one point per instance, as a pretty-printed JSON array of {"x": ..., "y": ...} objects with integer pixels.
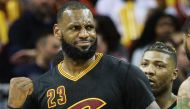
[{"x": 152, "y": 83}]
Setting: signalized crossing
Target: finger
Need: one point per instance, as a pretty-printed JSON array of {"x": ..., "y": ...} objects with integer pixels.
[
  {"x": 30, "y": 88},
  {"x": 19, "y": 79},
  {"x": 19, "y": 83},
  {"x": 23, "y": 83}
]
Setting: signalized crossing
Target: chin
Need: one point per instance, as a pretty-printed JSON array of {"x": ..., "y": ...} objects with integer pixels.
[
  {"x": 84, "y": 48},
  {"x": 155, "y": 92}
]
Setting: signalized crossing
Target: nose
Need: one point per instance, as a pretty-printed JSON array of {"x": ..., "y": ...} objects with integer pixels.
[
  {"x": 149, "y": 70},
  {"x": 83, "y": 34}
]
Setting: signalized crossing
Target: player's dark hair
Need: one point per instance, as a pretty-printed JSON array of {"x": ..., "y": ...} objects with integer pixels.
[
  {"x": 164, "y": 48},
  {"x": 70, "y": 5}
]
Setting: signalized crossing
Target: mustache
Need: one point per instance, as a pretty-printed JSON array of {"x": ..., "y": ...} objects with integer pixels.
[{"x": 91, "y": 40}]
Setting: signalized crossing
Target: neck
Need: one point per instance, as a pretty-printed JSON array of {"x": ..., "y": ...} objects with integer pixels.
[
  {"x": 166, "y": 99},
  {"x": 74, "y": 67},
  {"x": 41, "y": 62}
]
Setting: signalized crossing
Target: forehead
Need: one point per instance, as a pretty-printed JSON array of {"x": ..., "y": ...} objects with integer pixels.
[
  {"x": 77, "y": 16},
  {"x": 156, "y": 56},
  {"x": 165, "y": 20}
]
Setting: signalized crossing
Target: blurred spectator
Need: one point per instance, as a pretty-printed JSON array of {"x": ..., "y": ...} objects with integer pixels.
[
  {"x": 156, "y": 27},
  {"x": 3, "y": 30},
  {"x": 161, "y": 4},
  {"x": 9, "y": 12},
  {"x": 183, "y": 70},
  {"x": 177, "y": 40},
  {"x": 183, "y": 8},
  {"x": 4, "y": 89},
  {"x": 47, "y": 48},
  {"x": 34, "y": 22},
  {"x": 109, "y": 38},
  {"x": 183, "y": 63},
  {"x": 132, "y": 17},
  {"x": 180, "y": 8},
  {"x": 3, "y": 26},
  {"x": 111, "y": 8}
]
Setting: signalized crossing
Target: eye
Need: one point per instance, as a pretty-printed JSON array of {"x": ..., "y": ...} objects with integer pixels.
[
  {"x": 160, "y": 66},
  {"x": 74, "y": 28},
  {"x": 89, "y": 27},
  {"x": 144, "y": 64}
]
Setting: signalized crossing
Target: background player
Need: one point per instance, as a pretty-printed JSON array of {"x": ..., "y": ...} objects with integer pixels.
[
  {"x": 159, "y": 65},
  {"x": 184, "y": 90}
]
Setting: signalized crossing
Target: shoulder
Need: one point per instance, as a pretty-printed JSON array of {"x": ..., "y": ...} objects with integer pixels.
[
  {"x": 136, "y": 74},
  {"x": 44, "y": 80},
  {"x": 185, "y": 88},
  {"x": 135, "y": 71},
  {"x": 183, "y": 99},
  {"x": 42, "y": 83},
  {"x": 46, "y": 77},
  {"x": 113, "y": 61},
  {"x": 122, "y": 68},
  {"x": 120, "y": 65}
]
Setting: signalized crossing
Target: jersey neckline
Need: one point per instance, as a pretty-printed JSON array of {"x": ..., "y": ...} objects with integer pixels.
[{"x": 81, "y": 74}]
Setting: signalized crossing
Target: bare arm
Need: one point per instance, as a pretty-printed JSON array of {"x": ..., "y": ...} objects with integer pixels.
[
  {"x": 153, "y": 105},
  {"x": 183, "y": 100}
]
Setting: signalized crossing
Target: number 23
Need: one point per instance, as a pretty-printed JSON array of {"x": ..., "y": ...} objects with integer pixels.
[
  {"x": 51, "y": 95},
  {"x": 90, "y": 103}
]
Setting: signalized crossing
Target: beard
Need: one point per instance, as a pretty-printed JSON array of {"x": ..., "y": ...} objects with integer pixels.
[
  {"x": 76, "y": 54},
  {"x": 159, "y": 91},
  {"x": 187, "y": 52}
]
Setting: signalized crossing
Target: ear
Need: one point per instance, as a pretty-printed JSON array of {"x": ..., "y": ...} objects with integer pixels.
[
  {"x": 57, "y": 31},
  {"x": 175, "y": 73}
]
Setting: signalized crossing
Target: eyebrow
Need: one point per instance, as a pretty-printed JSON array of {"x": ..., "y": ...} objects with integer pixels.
[
  {"x": 157, "y": 61},
  {"x": 77, "y": 23},
  {"x": 74, "y": 23}
]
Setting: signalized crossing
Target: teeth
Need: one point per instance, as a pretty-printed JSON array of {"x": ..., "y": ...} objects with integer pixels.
[
  {"x": 152, "y": 84},
  {"x": 151, "y": 81}
]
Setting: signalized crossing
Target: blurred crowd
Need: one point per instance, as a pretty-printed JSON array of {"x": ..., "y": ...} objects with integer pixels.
[{"x": 125, "y": 29}]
